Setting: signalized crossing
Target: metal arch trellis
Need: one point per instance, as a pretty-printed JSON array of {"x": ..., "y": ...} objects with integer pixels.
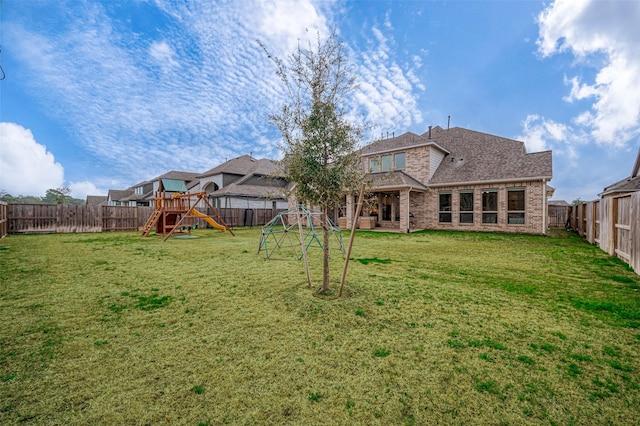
[{"x": 290, "y": 228}]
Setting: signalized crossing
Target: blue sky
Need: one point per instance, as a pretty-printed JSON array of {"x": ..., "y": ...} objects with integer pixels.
[{"x": 102, "y": 95}]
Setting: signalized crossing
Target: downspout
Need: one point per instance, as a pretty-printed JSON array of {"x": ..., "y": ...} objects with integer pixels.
[
  {"x": 408, "y": 213},
  {"x": 545, "y": 207}
]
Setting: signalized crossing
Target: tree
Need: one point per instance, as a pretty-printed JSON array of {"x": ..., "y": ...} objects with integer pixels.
[
  {"x": 318, "y": 141},
  {"x": 57, "y": 196}
]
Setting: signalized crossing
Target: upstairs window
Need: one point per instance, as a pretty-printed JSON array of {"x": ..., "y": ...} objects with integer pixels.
[
  {"x": 515, "y": 206},
  {"x": 400, "y": 160},
  {"x": 444, "y": 215},
  {"x": 466, "y": 207},
  {"x": 374, "y": 164},
  {"x": 490, "y": 206},
  {"x": 386, "y": 163}
]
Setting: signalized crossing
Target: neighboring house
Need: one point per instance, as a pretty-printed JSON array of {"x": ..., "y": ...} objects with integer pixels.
[
  {"x": 117, "y": 197},
  {"x": 96, "y": 200},
  {"x": 142, "y": 194},
  {"x": 455, "y": 179},
  {"x": 189, "y": 179},
  {"x": 625, "y": 186},
  {"x": 244, "y": 182}
]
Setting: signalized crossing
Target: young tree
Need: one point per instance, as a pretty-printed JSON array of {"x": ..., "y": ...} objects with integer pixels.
[{"x": 318, "y": 140}]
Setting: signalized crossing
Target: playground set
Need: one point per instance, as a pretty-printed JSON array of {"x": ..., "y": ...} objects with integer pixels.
[
  {"x": 175, "y": 211},
  {"x": 294, "y": 231}
]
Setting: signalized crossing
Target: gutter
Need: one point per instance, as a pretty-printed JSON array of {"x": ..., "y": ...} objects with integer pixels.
[
  {"x": 478, "y": 182},
  {"x": 404, "y": 148}
]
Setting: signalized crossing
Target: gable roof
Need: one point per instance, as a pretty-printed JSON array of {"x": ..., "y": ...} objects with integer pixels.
[
  {"x": 119, "y": 194},
  {"x": 394, "y": 180},
  {"x": 236, "y": 166},
  {"x": 630, "y": 184},
  {"x": 253, "y": 191},
  {"x": 476, "y": 157},
  {"x": 406, "y": 140},
  {"x": 178, "y": 175},
  {"x": 95, "y": 200}
]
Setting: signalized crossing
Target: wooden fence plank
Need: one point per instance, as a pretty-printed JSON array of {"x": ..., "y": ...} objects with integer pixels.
[
  {"x": 50, "y": 218},
  {"x": 4, "y": 220}
]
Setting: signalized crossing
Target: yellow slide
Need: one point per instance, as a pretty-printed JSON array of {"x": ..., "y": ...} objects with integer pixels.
[{"x": 208, "y": 220}]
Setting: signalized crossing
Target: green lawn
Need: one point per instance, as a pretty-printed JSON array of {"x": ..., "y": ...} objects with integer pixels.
[{"x": 433, "y": 328}]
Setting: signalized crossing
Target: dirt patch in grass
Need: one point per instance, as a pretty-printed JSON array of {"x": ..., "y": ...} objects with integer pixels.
[{"x": 457, "y": 329}]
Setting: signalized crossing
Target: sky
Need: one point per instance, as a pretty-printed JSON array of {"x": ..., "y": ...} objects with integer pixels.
[{"x": 104, "y": 95}]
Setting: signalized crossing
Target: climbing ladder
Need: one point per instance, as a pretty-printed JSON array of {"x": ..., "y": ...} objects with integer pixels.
[{"x": 151, "y": 222}]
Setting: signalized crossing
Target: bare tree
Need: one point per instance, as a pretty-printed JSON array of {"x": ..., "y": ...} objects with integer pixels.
[{"x": 318, "y": 140}]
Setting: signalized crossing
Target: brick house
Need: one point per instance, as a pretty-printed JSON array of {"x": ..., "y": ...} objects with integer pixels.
[{"x": 455, "y": 179}]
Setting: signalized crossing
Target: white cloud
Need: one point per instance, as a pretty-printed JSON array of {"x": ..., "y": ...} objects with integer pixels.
[
  {"x": 27, "y": 168},
  {"x": 164, "y": 55},
  {"x": 199, "y": 94},
  {"x": 540, "y": 134},
  {"x": 595, "y": 31},
  {"x": 82, "y": 189}
]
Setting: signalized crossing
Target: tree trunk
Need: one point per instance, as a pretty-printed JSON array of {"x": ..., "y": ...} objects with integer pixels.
[{"x": 325, "y": 250}]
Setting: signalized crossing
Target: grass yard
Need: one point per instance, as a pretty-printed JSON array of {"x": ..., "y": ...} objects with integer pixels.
[{"x": 434, "y": 328}]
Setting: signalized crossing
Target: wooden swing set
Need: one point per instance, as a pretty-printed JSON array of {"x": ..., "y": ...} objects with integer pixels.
[{"x": 173, "y": 209}]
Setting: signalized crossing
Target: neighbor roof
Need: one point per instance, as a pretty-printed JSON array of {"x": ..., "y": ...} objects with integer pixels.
[
  {"x": 254, "y": 191},
  {"x": 481, "y": 157},
  {"x": 94, "y": 200},
  {"x": 236, "y": 166},
  {"x": 630, "y": 184}
]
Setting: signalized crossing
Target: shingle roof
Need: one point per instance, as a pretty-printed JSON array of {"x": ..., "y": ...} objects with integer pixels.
[
  {"x": 178, "y": 175},
  {"x": 481, "y": 157},
  {"x": 119, "y": 195},
  {"x": 236, "y": 166},
  {"x": 406, "y": 140},
  {"x": 254, "y": 191},
  {"x": 94, "y": 200},
  {"x": 558, "y": 203},
  {"x": 630, "y": 184},
  {"x": 396, "y": 179}
]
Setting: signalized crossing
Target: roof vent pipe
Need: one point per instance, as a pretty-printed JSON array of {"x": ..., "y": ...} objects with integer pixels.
[
  {"x": 429, "y": 132},
  {"x": 448, "y": 122}
]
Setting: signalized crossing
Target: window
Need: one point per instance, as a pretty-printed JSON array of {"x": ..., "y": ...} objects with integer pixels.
[
  {"x": 466, "y": 207},
  {"x": 138, "y": 190},
  {"x": 400, "y": 160},
  {"x": 386, "y": 163},
  {"x": 374, "y": 165},
  {"x": 515, "y": 206},
  {"x": 490, "y": 206},
  {"x": 445, "y": 207}
]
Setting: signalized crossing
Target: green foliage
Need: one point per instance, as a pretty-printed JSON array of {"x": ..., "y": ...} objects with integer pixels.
[
  {"x": 319, "y": 141},
  {"x": 381, "y": 352},
  {"x": 53, "y": 196},
  {"x": 315, "y": 396}
]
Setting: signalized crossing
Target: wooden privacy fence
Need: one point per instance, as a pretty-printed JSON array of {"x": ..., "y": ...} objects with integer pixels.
[
  {"x": 52, "y": 218},
  {"x": 557, "y": 216},
  {"x": 4, "y": 223},
  {"x": 613, "y": 223}
]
